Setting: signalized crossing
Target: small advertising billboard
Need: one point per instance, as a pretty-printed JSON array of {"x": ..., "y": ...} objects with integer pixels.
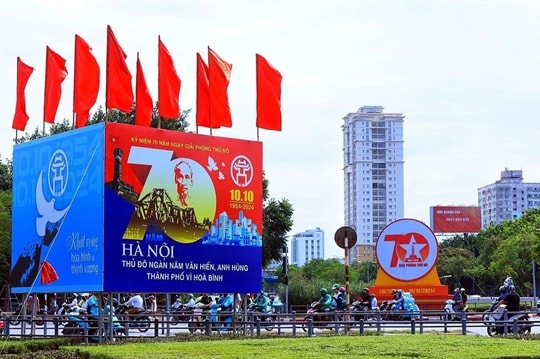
[
  {"x": 455, "y": 219},
  {"x": 144, "y": 210}
]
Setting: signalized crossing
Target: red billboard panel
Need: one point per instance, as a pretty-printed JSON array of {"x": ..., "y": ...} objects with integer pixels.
[{"x": 455, "y": 219}]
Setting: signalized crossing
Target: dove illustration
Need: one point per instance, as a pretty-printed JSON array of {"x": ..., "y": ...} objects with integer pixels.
[
  {"x": 46, "y": 210},
  {"x": 212, "y": 165}
]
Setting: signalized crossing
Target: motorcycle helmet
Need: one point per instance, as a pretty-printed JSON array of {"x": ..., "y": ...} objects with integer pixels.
[
  {"x": 456, "y": 290},
  {"x": 365, "y": 290},
  {"x": 324, "y": 291},
  {"x": 335, "y": 286},
  {"x": 502, "y": 289},
  {"x": 511, "y": 287}
]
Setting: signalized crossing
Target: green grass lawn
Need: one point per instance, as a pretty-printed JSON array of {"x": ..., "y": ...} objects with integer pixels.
[{"x": 430, "y": 345}]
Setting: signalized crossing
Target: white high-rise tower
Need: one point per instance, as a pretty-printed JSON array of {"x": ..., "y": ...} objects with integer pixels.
[{"x": 373, "y": 174}]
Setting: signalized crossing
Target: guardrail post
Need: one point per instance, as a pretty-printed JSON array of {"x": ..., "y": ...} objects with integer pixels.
[
  {"x": 362, "y": 323},
  {"x": 207, "y": 327},
  {"x": 56, "y": 323},
  {"x": 294, "y": 323},
  {"x": 336, "y": 322},
  {"x": 6, "y": 326},
  {"x": 421, "y": 323},
  {"x": 379, "y": 318},
  {"x": 258, "y": 326},
  {"x": 85, "y": 329},
  {"x": 445, "y": 321},
  {"x": 515, "y": 325},
  {"x": 464, "y": 325},
  {"x": 505, "y": 320},
  {"x": 413, "y": 325},
  {"x": 156, "y": 327},
  {"x": 310, "y": 327}
]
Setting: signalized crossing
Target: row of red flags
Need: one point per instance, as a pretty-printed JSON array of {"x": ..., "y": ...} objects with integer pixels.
[{"x": 212, "y": 82}]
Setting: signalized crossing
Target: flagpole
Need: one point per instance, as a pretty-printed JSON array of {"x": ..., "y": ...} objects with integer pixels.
[
  {"x": 107, "y": 77},
  {"x": 74, "y": 79},
  {"x": 45, "y": 87},
  {"x": 257, "y": 134}
]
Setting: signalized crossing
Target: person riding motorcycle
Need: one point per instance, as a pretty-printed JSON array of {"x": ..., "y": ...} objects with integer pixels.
[
  {"x": 261, "y": 302},
  {"x": 191, "y": 302},
  {"x": 205, "y": 301},
  {"x": 341, "y": 300},
  {"x": 225, "y": 304},
  {"x": 464, "y": 299},
  {"x": 457, "y": 298},
  {"x": 365, "y": 301},
  {"x": 325, "y": 300},
  {"x": 512, "y": 302},
  {"x": 134, "y": 303},
  {"x": 397, "y": 298}
]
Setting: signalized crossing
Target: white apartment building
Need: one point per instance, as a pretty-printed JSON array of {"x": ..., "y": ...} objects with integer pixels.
[
  {"x": 507, "y": 198},
  {"x": 306, "y": 246},
  {"x": 373, "y": 172}
]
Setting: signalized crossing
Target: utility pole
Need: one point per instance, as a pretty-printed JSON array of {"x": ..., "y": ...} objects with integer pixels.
[{"x": 286, "y": 277}]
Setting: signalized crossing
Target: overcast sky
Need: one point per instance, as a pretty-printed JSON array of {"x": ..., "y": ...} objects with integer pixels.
[{"x": 464, "y": 73}]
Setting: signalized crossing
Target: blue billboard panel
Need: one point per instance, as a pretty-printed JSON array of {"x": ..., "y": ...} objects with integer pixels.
[
  {"x": 183, "y": 212},
  {"x": 57, "y": 223}
]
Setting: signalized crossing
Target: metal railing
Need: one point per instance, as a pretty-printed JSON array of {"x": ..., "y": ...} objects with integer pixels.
[{"x": 256, "y": 324}]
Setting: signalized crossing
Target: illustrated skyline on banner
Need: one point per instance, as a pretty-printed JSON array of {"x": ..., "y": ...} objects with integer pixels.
[{"x": 463, "y": 74}]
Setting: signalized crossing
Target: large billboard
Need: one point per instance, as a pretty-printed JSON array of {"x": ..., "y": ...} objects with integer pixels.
[
  {"x": 146, "y": 210},
  {"x": 184, "y": 211},
  {"x": 455, "y": 219},
  {"x": 57, "y": 223}
]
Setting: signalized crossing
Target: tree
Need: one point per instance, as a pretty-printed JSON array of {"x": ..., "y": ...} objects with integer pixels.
[
  {"x": 6, "y": 175},
  {"x": 179, "y": 124},
  {"x": 5, "y": 220}
]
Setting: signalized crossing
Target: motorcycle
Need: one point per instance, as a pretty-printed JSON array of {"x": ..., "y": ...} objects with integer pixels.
[
  {"x": 495, "y": 322},
  {"x": 79, "y": 323},
  {"x": 140, "y": 320},
  {"x": 265, "y": 317},
  {"x": 450, "y": 313},
  {"x": 389, "y": 312},
  {"x": 181, "y": 314},
  {"x": 16, "y": 317},
  {"x": 358, "y": 312},
  {"x": 220, "y": 317},
  {"x": 320, "y": 318}
]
